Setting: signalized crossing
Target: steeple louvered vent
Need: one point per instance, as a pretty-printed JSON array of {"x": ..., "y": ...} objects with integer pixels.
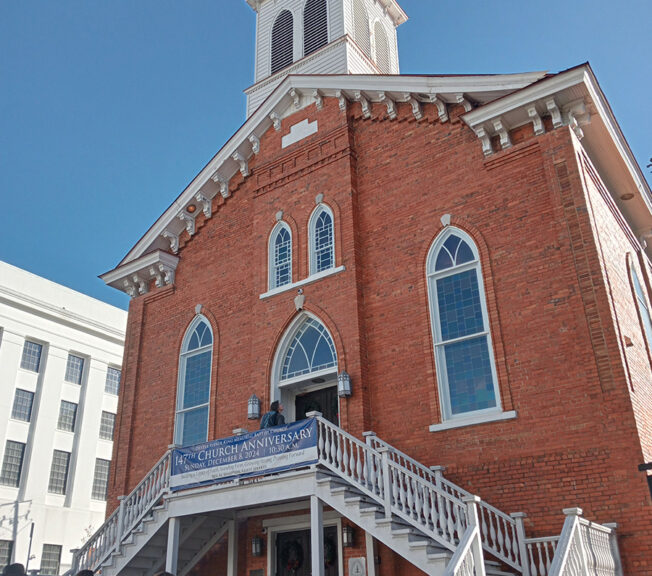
[
  {"x": 282, "y": 41},
  {"x": 361, "y": 27},
  {"x": 382, "y": 49},
  {"x": 315, "y": 26}
]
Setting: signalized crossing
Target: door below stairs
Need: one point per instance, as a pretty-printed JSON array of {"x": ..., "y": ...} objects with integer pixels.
[{"x": 293, "y": 557}]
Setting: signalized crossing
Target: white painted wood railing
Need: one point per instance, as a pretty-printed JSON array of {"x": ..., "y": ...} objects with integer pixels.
[
  {"x": 540, "y": 552},
  {"x": 468, "y": 559},
  {"x": 502, "y": 535},
  {"x": 126, "y": 517},
  {"x": 586, "y": 548}
]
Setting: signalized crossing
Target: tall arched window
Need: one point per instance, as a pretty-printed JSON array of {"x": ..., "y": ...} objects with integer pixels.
[
  {"x": 643, "y": 308},
  {"x": 382, "y": 48},
  {"x": 282, "y": 41},
  {"x": 193, "y": 392},
  {"x": 322, "y": 240},
  {"x": 315, "y": 26},
  {"x": 463, "y": 351},
  {"x": 280, "y": 256},
  {"x": 361, "y": 32}
]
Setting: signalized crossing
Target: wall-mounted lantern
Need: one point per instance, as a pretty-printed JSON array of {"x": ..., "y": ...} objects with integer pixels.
[
  {"x": 347, "y": 536},
  {"x": 253, "y": 409},
  {"x": 256, "y": 546},
  {"x": 343, "y": 384}
]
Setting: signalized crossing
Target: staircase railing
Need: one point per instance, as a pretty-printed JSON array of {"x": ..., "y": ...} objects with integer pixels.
[
  {"x": 540, "y": 552},
  {"x": 468, "y": 559},
  {"x": 586, "y": 548},
  {"x": 502, "y": 535},
  {"x": 125, "y": 518},
  {"x": 403, "y": 493}
]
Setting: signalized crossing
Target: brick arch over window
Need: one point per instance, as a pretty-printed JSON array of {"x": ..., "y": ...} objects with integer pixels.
[
  {"x": 282, "y": 41},
  {"x": 194, "y": 383},
  {"x": 463, "y": 345},
  {"x": 315, "y": 26}
]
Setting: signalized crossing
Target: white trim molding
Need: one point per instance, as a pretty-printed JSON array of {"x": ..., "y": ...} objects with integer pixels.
[
  {"x": 133, "y": 278},
  {"x": 312, "y": 278},
  {"x": 495, "y": 416}
]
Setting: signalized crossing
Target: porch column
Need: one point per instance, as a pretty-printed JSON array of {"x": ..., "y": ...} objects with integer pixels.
[
  {"x": 371, "y": 556},
  {"x": 317, "y": 536},
  {"x": 172, "y": 554},
  {"x": 232, "y": 563}
]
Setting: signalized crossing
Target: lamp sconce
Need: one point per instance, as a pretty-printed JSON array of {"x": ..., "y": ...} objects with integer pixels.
[
  {"x": 343, "y": 384},
  {"x": 347, "y": 536},
  {"x": 253, "y": 408},
  {"x": 256, "y": 546}
]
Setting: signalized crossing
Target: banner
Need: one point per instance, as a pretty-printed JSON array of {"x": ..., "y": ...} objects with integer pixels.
[{"x": 262, "y": 452}]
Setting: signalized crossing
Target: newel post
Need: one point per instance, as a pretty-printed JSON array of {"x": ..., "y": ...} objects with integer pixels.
[
  {"x": 74, "y": 568},
  {"x": 369, "y": 437},
  {"x": 573, "y": 517},
  {"x": 615, "y": 551},
  {"x": 474, "y": 521},
  {"x": 519, "y": 519},
  {"x": 121, "y": 522},
  {"x": 387, "y": 488}
]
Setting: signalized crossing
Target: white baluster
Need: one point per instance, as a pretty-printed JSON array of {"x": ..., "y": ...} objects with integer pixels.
[
  {"x": 341, "y": 461},
  {"x": 410, "y": 496},
  {"x": 358, "y": 466},
  {"x": 542, "y": 566}
]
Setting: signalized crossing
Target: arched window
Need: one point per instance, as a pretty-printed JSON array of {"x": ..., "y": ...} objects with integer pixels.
[
  {"x": 382, "y": 48},
  {"x": 311, "y": 350},
  {"x": 280, "y": 256},
  {"x": 315, "y": 26},
  {"x": 322, "y": 240},
  {"x": 463, "y": 351},
  {"x": 282, "y": 41},
  {"x": 193, "y": 392},
  {"x": 361, "y": 32},
  {"x": 643, "y": 308}
]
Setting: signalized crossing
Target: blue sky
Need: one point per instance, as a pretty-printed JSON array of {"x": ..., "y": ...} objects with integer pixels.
[{"x": 108, "y": 109}]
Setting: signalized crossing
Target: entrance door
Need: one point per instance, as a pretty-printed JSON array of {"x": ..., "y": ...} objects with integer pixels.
[
  {"x": 293, "y": 556},
  {"x": 324, "y": 401}
]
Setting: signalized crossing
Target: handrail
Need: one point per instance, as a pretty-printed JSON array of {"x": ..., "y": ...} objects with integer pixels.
[
  {"x": 463, "y": 563},
  {"x": 125, "y": 518},
  {"x": 499, "y": 531}
]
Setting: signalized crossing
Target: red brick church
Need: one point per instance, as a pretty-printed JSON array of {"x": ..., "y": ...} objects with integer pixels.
[{"x": 444, "y": 281}]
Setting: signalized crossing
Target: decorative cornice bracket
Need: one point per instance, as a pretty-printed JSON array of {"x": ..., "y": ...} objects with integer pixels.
[
  {"x": 188, "y": 220},
  {"x": 366, "y": 105},
  {"x": 244, "y": 164},
  {"x": 461, "y": 99},
  {"x": 319, "y": 99},
  {"x": 223, "y": 183},
  {"x": 441, "y": 107},
  {"x": 537, "y": 122},
  {"x": 555, "y": 113},
  {"x": 578, "y": 116},
  {"x": 163, "y": 275},
  {"x": 255, "y": 143},
  {"x": 207, "y": 204},
  {"x": 276, "y": 120},
  {"x": 391, "y": 105},
  {"x": 485, "y": 139},
  {"x": 343, "y": 100},
  {"x": 173, "y": 239},
  {"x": 503, "y": 132},
  {"x": 296, "y": 97}
]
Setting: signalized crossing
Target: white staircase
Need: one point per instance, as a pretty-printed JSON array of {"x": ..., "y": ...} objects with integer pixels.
[{"x": 413, "y": 510}]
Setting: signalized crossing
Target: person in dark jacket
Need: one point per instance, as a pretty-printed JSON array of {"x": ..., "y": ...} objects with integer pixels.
[
  {"x": 274, "y": 417},
  {"x": 14, "y": 570}
]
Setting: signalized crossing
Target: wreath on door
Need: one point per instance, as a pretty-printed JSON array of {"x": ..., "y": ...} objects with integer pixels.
[
  {"x": 292, "y": 556},
  {"x": 330, "y": 552}
]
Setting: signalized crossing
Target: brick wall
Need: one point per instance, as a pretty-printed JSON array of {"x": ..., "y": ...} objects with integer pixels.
[{"x": 554, "y": 265}]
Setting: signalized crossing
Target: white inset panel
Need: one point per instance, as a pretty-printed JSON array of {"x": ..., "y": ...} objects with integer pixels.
[{"x": 299, "y": 132}]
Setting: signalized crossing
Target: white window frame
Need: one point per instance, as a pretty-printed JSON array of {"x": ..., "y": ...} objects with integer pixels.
[
  {"x": 642, "y": 305},
  {"x": 312, "y": 252},
  {"x": 487, "y": 414},
  {"x": 271, "y": 260},
  {"x": 183, "y": 356}
]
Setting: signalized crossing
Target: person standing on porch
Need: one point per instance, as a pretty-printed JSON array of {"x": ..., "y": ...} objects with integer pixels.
[{"x": 274, "y": 417}]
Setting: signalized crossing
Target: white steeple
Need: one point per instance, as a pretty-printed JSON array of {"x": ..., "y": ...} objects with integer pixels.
[{"x": 322, "y": 37}]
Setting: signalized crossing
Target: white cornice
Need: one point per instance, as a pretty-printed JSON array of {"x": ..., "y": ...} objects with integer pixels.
[{"x": 134, "y": 277}]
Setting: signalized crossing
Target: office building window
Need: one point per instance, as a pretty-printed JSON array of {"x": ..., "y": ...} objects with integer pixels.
[
  {"x": 74, "y": 369},
  {"x": 59, "y": 472},
  {"x": 23, "y": 401},
  {"x": 12, "y": 463},
  {"x": 112, "y": 384},
  {"x": 31, "y": 359},
  {"x": 6, "y": 547},
  {"x": 107, "y": 425},
  {"x": 50, "y": 560},
  {"x": 101, "y": 479},
  {"x": 67, "y": 416}
]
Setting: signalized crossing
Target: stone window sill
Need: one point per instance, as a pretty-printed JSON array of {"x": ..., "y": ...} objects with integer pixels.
[
  {"x": 309, "y": 280},
  {"x": 473, "y": 420}
]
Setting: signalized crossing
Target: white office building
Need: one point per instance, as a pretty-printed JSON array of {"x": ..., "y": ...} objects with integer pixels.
[{"x": 60, "y": 360}]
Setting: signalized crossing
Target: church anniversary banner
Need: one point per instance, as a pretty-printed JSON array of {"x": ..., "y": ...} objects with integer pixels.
[{"x": 262, "y": 452}]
